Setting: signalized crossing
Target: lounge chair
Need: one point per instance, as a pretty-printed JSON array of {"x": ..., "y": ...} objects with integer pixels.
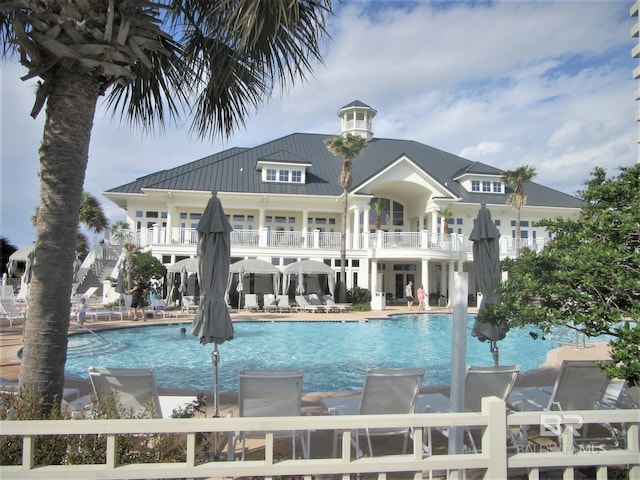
[
  {"x": 270, "y": 302},
  {"x": 479, "y": 382},
  {"x": 189, "y": 303},
  {"x": 270, "y": 393},
  {"x": 337, "y": 307},
  {"x": 306, "y": 306},
  {"x": 283, "y": 303},
  {"x": 6, "y": 291},
  {"x": 580, "y": 385},
  {"x": 136, "y": 391},
  {"x": 386, "y": 391},
  {"x": 160, "y": 307},
  {"x": 251, "y": 302},
  {"x": 314, "y": 299},
  {"x": 9, "y": 311}
]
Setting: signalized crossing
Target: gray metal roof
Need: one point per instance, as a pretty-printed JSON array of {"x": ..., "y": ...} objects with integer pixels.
[{"x": 234, "y": 170}]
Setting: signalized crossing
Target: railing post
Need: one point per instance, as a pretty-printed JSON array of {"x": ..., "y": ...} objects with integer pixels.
[
  {"x": 494, "y": 437},
  {"x": 263, "y": 237},
  {"x": 424, "y": 239},
  {"x": 316, "y": 238}
]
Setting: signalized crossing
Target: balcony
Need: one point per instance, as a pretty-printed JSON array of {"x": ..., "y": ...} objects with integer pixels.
[{"x": 265, "y": 238}]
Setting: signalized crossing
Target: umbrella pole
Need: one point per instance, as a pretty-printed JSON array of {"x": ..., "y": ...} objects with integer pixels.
[
  {"x": 215, "y": 359},
  {"x": 495, "y": 351}
]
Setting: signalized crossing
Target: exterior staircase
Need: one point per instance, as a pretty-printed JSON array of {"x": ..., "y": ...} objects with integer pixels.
[{"x": 106, "y": 259}]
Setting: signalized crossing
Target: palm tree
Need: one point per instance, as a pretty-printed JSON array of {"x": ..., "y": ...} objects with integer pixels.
[
  {"x": 217, "y": 60},
  {"x": 517, "y": 179},
  {"x": 348, "y": 146},
  {"x": 376, "y": 206},
  {"x": 91, "y": 215},
  {"x": 446, "y": 213}
]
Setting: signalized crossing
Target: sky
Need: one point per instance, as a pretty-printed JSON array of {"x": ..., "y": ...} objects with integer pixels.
[{"x": 508, "y": 83}]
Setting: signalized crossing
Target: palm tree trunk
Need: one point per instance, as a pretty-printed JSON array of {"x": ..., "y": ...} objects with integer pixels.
[
  {"x": 343, "y": 250},
  {"x": 518, "y": 232},
  {"x": 63, "y": 161}
]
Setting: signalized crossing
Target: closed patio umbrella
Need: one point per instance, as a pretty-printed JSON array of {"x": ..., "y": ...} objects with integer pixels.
[
  {"x": 120, "y": 283},
  {"x": 300, "y": 285},
  {"x": 240, "y": 287},
  {"x": 486, "y": 258},
  {"x": 212, "y": 322}
]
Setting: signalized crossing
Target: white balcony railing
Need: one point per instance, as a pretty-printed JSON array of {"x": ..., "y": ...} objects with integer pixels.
[
  {"x": 423, "y": 240},
  {"x": 497, "y": 459}
]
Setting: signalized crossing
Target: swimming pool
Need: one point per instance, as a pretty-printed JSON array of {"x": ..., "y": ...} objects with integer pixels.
[{"x": 333, "y": 355}]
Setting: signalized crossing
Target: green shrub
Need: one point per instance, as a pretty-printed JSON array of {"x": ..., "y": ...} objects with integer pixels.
[{"x": 92, "y": 448}]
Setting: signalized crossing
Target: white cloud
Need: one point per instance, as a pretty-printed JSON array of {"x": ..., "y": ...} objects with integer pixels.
[{"x": 506, "y": 83}]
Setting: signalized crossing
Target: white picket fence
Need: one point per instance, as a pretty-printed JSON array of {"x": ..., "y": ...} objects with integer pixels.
[{"x": 496, "y": 461}]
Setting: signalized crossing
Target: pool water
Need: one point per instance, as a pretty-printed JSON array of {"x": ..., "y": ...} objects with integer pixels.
[{"x": 333, "y": 355}]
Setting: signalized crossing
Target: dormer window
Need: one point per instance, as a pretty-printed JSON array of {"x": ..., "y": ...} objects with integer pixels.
[
  {"x": 282, "y": 167},
  {"x": 486, "y": 186},
  {"x": 282, "y": 175}
]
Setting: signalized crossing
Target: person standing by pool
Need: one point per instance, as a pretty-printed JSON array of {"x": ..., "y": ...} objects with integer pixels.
[
  {"x": 420, "y": 295},
  {"x": 82, "y": 310},
  {"x": 408, "y": 292},
  {"x": 136, "y": 300}
]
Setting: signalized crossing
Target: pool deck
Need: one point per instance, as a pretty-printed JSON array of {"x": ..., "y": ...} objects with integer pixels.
[{"x": 11, "y": 342}]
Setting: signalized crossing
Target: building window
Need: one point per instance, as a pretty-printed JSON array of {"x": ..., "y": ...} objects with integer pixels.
[
  {"x": 486, "y": 186},
  {"x": 497, "y": 187},
  {"x": 271, "y": 174},
  {"x": 475, "y": 185},
  {"x": 139, "y": 214},
  {"x": 284, "y": 175},
  {"x": 296, "y": 176}
]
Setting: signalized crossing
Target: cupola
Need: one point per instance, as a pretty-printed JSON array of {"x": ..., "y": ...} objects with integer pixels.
[{"x": 357, "y": 119}]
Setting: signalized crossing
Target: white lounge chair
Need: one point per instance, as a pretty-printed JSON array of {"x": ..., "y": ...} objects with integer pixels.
[
  {"x": 160, "y": 307},
  {"x": 386, "y": 391},
  {"x": 251, "y": 302},
  {"x": 9, "y": 311},
  {"x": 270, "y": 302},
  {"x": 270, "y": 393},
  {"x": 189, "y": 303},
  {"x": 337, "y": 307},
  {"x": 135, "y": 390},
  {"x": 314, "y": 299},
  {"x": 480, "y": 382},
  {"x": 283, "y": 303},
  {"x": 306, "y": 306}
]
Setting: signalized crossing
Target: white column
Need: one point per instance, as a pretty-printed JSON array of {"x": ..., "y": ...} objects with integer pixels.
[
  {"x": 365, "y": 228},
  {"x": 434, "y": 226},
  {"x": 305, "y": 226},
  {"x": 374, "y": 277},
  {"x": 170, "y": 211},
  {"x": 452, "y": 271},
  {"x": 425, "y": 282},
  {"x": 355, "y": 243}
]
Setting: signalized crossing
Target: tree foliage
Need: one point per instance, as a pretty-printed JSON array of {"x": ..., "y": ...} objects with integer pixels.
[
  {"x": 588, "y": 276},
  {"x": 214, "y": 61},
  {"x": 518, "y": 198}
]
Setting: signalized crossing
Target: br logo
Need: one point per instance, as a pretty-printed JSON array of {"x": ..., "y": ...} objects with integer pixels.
[{"x": 551, "y": 424}]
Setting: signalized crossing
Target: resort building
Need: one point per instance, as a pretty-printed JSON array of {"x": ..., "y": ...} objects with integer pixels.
[{"x": 285, "y": 204}]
